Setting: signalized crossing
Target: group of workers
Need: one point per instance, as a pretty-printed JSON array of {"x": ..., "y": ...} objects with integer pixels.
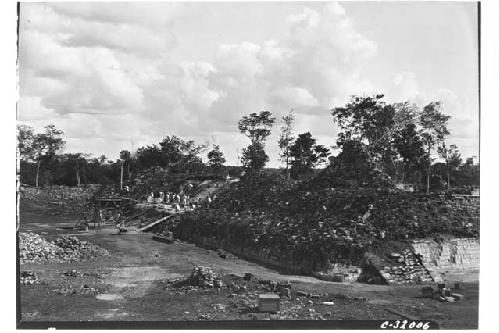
[{"x": 178, "y": 201}]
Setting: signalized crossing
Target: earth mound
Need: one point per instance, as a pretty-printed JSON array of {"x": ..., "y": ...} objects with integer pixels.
[{"x": 310, "y": 228}]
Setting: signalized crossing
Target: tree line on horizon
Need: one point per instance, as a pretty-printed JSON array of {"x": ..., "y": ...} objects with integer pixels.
[{"x": 399, "y": 139}]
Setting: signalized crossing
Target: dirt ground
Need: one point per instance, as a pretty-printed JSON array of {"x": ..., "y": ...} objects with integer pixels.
[{"x": 132, "y": 284}]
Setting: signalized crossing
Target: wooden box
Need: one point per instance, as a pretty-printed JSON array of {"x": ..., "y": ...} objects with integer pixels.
[{"x": 269, "y": 303}]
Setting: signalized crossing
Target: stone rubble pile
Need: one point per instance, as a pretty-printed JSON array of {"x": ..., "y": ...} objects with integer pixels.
[
  {"x": 28, "y": 278},
  {"x": 303, "y": 229},
  {"x": 35, "y": 249},
  {"x": 76, "y": 250},
  {"x": 408, "y": 268},
  {"x": 205, "y": 277},
  {"x": 60, "y": 200}
]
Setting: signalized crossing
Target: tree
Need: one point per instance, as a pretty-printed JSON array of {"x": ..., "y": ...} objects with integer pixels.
[
  {"x": 372, "y": 122},
  {"x": 25, "y": 142},
  {"x": 257, "y": 127},
  {"x": 468, "y": 173},
  {"x": 216, "y": 158},
  {"x": 178, "y": 154},
  {"x": 45, "y": 146},
  {"x": 409, "y": 146},
  {"x": 75, "y": 162},
  {"x": 306, "y": 154},
  {"x": 365, "y": 119},
  {"x": 433, "y": 131},
  {"x": 254, "y": 157},
  {"x": 171, "y": 150},
  {"x": 149, "y": 156},
  {"x": 124, "y": 159},
  {"x": 452, "y": 159},
  {"x": 286, "y": 140}
]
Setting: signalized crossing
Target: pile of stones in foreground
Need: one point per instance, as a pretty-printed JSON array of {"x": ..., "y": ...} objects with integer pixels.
[
  {"x": 28, "y": 278},
  {"x": 243, "y": 297},
  {"x": 407, "y": 268},
  {"x": 35, "y": 249},
  {"x": 75, "y": 249},
  {"x": 205, "y": 277},
  {"x": 84, "y": 290}
]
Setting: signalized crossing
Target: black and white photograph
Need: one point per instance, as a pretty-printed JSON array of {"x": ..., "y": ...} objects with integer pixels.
[{"x": 249, "y": 165}]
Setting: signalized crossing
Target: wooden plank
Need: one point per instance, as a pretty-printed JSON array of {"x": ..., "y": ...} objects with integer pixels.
[
  {"x": 152, "y": 224},
  {"x": 162, "y": 239}
]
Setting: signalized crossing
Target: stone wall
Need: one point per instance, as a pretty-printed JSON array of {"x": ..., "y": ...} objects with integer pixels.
[
  {"x": 406, "y": 267},
  {"x": 429, "y": 260},
  {"x": 453, "y": 255}
]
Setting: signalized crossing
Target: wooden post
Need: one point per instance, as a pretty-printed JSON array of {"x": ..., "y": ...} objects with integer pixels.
[{"x": 121, "y": 176}]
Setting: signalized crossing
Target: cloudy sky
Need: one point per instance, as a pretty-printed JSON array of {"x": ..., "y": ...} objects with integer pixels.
[{"x": 122, "y": 75}]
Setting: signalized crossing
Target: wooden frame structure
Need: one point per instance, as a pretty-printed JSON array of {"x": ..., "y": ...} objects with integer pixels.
[{"x": 104, "y": 203}]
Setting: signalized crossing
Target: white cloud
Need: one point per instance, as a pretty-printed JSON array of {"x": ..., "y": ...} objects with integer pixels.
[
  {"x": 109, "y": 67},
  {"x": 405, "y": 87},
  {"x": 30, "y": 109},
  {"x": 107, "y": 75},
  {"x": 296, "y": 96}
]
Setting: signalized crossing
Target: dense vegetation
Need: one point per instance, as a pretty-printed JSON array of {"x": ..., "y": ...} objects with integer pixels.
[{"x": 377, "y": 142}]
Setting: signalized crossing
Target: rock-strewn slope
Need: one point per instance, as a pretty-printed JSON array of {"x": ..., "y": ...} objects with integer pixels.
[{"x": 312, "y": 229}]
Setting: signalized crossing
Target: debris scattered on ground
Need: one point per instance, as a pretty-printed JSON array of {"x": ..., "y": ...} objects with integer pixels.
[
  {"x": 442, "y": 293},
  {"x": 224, "y": 254},
  {"x": 73, "y": 273},
  {"x": 88, "y": 290},
  {"x": 35, "y": 249},
  {"x": 83, "y": 290},
  {"x": 457, "y": 297},
  {"x": 28, "y": 278},
  {"x": 248, "y": 276}
]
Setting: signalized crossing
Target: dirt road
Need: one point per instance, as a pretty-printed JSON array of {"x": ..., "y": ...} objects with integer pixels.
[{"x": 131, "y": 284}]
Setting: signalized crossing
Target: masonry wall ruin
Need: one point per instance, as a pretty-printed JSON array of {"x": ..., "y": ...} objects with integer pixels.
[{"x": 457, "y": 254}]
